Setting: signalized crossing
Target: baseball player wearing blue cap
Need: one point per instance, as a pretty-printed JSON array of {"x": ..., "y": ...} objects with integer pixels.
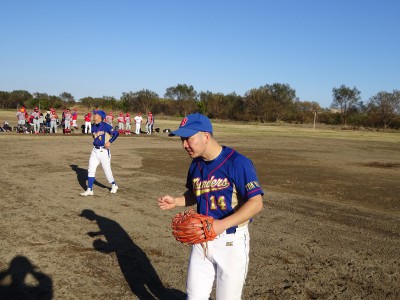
[
  {"x": 224, "y": 184},
  {"x": 103, "y": 134}
]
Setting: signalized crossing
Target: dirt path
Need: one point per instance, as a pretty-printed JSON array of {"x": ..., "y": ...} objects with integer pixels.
[{"x": 330, "y": 228}]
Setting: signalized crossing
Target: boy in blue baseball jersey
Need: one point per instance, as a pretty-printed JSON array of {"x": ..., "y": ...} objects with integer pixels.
[
  {"x": 103, "y": 134},
  {"x": 224, "y": 184}
]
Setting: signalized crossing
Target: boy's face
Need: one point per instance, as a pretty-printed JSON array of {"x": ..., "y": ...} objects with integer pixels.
[{"x": 97, "y": 118}]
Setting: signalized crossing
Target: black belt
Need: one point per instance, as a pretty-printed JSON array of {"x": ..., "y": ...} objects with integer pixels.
[
  {"x": 99, "y": 147},
  {"x": 231, "y": 230}
]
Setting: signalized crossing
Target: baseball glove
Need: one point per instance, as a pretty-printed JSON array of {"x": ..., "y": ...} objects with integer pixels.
[{"x": 192, "y": 228}]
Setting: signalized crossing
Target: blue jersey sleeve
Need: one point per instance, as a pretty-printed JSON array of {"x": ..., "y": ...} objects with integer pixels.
[
  {"x": 245, "y": 178},
  {"x": 112, "y": 132}
]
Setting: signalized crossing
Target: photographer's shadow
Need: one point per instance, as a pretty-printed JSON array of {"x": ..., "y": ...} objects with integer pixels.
[
  {"x": 82, "y": 176},
  {"x": 13, "y": 285},
  {"x": 134, "y": 263}
]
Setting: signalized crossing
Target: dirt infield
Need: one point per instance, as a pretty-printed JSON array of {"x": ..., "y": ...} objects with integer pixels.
[{"x": 330, "y": 228}]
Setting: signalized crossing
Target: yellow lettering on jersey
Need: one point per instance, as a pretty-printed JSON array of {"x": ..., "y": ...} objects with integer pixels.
[
  {"x": 205, "y": 186},
  {"x": 220, "y": 202},
  {"x": 98, "y": 133},
  {"x": 251, "y": 185},
  {"x": 213, "y": 205}
]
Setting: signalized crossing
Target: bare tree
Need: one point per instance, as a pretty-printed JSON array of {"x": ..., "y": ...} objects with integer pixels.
[
  {"x": 283, "y": 97},
  {"x": 271, "y": 102},
  {"x": 306, "y": 111},
  {"x": 140, "y": 101},
  {"x": 386, "y": 106},
  {"x": 185, "y": 96},
  {"x": 216, "y": 104},
  {"x": 67, "y": 98},
  {"x": 20, "y": 97},
  {"x": 257, "y": 103},
  {"x": 346, "y": 100}
]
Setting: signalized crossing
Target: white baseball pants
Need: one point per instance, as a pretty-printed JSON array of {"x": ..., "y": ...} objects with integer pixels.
[
  {"x": 36, "y": 125},
  {"x": 226, "y": 261},
  {"x": 103, "y": 157},
  {"x": 53, "y": 125},
  {"x": 137, "y": 128},
  {"x": 88, "y": 127}
]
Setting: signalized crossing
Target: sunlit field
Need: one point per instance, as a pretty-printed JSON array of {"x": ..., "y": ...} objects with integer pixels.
[
  {"x": 224, "y": 128},
  {"x": 329, "y": 227}
]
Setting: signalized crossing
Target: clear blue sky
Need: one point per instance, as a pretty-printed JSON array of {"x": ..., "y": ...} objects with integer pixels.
[{"x": 104, "y": 48}]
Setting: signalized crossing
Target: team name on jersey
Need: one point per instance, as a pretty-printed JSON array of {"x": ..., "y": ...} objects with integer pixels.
[
  {"x": 98, "y": 133},
  {"x": 252, "y": 185},
  {"x": 205, "y": 186}
]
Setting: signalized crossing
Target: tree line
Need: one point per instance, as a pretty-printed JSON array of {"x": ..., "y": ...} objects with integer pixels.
[{"x": 269, "y": 103}]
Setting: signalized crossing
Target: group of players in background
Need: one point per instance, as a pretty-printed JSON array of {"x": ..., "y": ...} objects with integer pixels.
[
  {"x": 124, "y": 122},
  {"x": 38, "y": 122}
]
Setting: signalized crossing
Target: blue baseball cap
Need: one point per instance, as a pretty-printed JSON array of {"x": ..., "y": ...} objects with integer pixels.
[
  {"x": 192, "y": 124},
  {"x": 101, "y": 113}
]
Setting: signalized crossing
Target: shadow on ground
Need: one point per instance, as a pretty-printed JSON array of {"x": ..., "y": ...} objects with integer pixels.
[
  {"x": 82, "y": 175},
  {"x": 136, "y": 267},
  {"x": 13, "y": 284}
]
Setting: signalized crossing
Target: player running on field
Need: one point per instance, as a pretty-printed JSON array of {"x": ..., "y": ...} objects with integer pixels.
[
  {"x": 103, "y": 134},
  {"x": 224, "y": 184}
]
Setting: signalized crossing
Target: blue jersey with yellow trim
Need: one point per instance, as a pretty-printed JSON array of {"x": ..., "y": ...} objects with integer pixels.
[
  {"x": 222, "y": 185},
  {"x": 103, "y": 133}
]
